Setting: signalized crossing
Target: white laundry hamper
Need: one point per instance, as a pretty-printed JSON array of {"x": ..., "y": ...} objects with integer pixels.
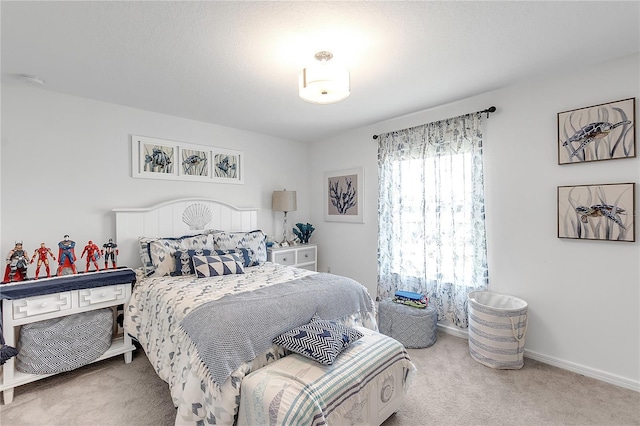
[{"x": 497, "y": 329}]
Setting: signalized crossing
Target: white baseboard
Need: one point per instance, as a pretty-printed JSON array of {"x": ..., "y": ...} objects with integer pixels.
[{"x": 565, "y": 365}]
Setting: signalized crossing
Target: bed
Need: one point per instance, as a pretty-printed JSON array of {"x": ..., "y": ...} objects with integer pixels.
[{"x": 207, "y": 304}]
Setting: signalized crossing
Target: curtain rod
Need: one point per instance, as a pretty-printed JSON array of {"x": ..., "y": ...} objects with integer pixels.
[{"x": 488, "y": 111}]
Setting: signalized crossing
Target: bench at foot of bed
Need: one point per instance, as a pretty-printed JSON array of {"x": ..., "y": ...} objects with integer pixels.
[{"x": 365, "y": 385}]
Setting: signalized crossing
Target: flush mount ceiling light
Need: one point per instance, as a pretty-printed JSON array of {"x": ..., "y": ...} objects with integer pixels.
[{"x": 324, "y": 83}]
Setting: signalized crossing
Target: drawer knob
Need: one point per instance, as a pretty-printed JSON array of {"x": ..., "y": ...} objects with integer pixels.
[
  {"x": 306, "y": 256},
  {"x": 103, "y": 294},
  {"x": 43, "y": 305},
  {"x": 284, "y": 259}
]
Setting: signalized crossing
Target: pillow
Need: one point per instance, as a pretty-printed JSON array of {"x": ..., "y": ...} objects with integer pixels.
[
  {"x": 157, "y": 253},
  {"x": 244, "y": 254},
  {"x": 349, "y": 335},
  {"x": 317, "y": 340},
  {"x": 213, "y": 266},
  {"x": 254, "y": 240},
  {"x": 184, "y": 261}
]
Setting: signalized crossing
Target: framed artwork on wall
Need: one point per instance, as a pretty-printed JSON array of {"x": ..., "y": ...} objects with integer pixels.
[
  {"x": 153, "y": 158},
  {"x": 596, "y": 133},
  {"x": 195, "y": 162},
  {"x": 597, "y": 212},
  {"x": 344, "y": 196},
  {"x": 228, "y": 166}
]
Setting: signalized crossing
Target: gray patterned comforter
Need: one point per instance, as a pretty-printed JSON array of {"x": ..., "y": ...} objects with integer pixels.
[{"x": 156, "y": 309}]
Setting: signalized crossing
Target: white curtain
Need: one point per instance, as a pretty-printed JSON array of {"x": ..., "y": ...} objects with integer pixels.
[{"x": 431, "y": 232}]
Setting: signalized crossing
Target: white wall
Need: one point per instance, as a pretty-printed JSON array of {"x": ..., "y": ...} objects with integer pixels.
[
  {"x": 66, "y": 163},
  {"x": 583, "y": 295}
]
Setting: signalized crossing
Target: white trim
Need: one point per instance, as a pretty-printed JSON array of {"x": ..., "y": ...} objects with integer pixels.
[{"x": 603, "y": 376}]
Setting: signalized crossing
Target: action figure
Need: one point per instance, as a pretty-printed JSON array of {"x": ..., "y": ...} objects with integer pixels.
[
  {"x": 43, "y": 254},
  {"x": 66, "y": 255},
  {"x": 17, "y": 262},
  {"x": 110, "y": 251},
  {"x": 93, "y": 253}
]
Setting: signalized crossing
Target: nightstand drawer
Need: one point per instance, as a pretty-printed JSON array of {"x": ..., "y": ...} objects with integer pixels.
[
  {"x": 285, "y": 258},
  {"x": 92, "y": 296},
  {"x": 39, "y": 305},
  {"x": 307, "y": 255}
]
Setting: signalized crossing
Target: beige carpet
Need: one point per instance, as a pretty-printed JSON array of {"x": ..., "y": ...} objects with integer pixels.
[{"x": 449, "y": 389}]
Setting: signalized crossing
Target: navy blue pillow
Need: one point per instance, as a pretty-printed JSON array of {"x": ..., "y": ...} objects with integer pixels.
[
  {"x": 184, "y": 261},
  {"x": 244, "y": 254}
]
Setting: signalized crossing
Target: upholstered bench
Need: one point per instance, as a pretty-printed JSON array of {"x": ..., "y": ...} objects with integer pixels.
[
  {"x": 365, "y": 384},
  {"x": 413, "y": 327}
]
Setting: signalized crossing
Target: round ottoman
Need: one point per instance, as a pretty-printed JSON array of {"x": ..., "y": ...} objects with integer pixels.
[{"x": 413, "y": 327}]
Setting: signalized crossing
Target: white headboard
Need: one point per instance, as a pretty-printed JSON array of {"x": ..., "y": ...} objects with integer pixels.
[{"x": 175, "y": 218}]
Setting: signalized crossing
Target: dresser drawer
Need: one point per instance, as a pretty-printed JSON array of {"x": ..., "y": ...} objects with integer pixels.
[
  {"x": 93, "y": 296},
  {"x": 285, "y": 257},
  {"x": 307, "y": 255},
  {"x": 39, "y": 305}
]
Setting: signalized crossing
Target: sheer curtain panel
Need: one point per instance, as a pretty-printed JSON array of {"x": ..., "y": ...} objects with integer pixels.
[{"x": 431, "y": 227}]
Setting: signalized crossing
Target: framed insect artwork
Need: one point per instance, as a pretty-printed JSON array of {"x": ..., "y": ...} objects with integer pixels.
[
  {"x": 599, "y": 132},
  {"x": 597, "y": 212}
]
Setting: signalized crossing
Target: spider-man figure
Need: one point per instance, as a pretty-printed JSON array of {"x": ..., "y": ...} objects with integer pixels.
[{"x": 93, "y": 253}]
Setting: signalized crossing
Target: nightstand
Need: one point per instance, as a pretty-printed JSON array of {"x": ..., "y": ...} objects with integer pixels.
[{"x": 303, "y": 256}]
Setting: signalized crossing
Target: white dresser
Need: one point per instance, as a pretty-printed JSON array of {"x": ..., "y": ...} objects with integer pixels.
[
  {"x": 303, "y": 256},
  {"x": 31, "y": 309}
]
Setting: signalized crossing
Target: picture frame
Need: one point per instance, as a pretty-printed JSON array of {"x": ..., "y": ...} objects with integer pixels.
[
  {"x": 227, "y": 166},
  {"x": 344, "y": 195},
  {"x": 194, "y": 162},
  {"x": 154, "y": 158},
  {"x": 596, "y": 133},
  {"x": 597, "y": 212}
]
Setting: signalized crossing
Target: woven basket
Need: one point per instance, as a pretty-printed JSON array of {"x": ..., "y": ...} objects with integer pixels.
[
  {"x": 497, "y": 329},
  {"x": 64, "y": 344}
]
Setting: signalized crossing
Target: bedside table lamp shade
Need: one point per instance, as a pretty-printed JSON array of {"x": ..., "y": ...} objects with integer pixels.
[{"x": 284, "y": 201}]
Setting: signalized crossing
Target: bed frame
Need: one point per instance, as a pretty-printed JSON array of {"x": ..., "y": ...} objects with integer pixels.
[{"x": 176, "y": 218}]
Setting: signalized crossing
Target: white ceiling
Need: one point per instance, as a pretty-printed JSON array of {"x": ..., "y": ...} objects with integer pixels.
[{"x": 236, "y": 63}]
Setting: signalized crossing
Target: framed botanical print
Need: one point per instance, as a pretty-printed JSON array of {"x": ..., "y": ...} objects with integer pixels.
[{"x": 344, "y": 196}]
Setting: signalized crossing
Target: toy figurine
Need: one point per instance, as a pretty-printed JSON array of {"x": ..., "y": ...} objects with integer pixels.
[
  {"x": 43, "y": 254},
  {"x": 93, "y": 253},
  {"x": 66, "y": 255},
  {"x": 110, "y": 251},
  {"x": 17, "y": 262}
]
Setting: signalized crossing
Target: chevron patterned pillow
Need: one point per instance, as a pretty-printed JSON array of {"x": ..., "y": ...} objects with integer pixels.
[
  {"x": 317, "y": 340},
  {"x": 213, "y": 266}
]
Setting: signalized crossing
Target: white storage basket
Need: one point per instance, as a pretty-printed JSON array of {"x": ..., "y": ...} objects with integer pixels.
[{"x": 497, "y": 329}]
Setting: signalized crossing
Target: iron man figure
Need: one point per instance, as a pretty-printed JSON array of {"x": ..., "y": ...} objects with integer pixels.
[
  {"x": 43, "y": 254},
  {"x": 93, "y": 253}
]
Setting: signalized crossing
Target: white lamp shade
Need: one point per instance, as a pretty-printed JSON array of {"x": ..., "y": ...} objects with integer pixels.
[
  {"x": 284, "y": 201},
  {"x": 324, "y": 83}
]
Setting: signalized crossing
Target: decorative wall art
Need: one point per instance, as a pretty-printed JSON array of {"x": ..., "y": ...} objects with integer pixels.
[
  {"x": 599, "y": 132},
  {"x": 597, "y": 212},
  {"x": 153, "y": 158},
  {"x": 228, "y": 166},
  {"x": 344, "y": 196}
]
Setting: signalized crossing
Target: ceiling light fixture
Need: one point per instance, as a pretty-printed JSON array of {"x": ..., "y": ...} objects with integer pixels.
[
  {"x": 32, "y": 79},
  {"x": 324, "y": 83}
]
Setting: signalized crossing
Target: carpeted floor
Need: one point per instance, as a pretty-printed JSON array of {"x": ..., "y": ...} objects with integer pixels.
[{"x": 449, "y": 389}]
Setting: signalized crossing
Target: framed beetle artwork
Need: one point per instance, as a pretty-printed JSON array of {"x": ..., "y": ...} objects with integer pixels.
[{"x": 599, "y": 132}]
